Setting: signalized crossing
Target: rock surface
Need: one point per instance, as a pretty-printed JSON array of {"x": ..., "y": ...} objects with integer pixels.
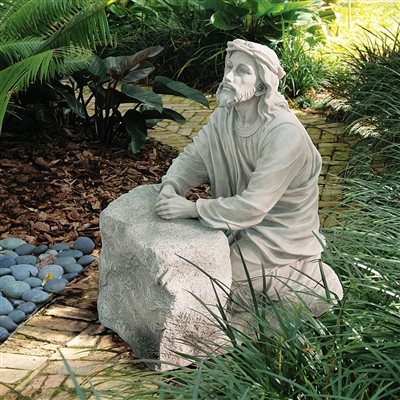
[{"x": 146, "y": 289}]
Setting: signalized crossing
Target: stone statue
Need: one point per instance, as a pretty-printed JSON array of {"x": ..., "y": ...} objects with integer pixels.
[{"x": 263, "y": 171}]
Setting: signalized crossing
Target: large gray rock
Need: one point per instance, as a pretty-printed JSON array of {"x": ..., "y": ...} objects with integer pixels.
[{"x": 146, "y": 290}]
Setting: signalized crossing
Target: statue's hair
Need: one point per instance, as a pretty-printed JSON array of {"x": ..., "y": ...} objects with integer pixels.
[
  {"x": 272, "y": 101},
  {"x": 269, "y": 72}
]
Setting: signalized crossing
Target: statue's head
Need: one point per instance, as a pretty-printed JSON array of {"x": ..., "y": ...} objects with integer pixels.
[{"x": 260, "y": 76}]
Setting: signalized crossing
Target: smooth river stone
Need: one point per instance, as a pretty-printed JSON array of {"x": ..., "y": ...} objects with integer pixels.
[
  {"x": 11, "y": 243},
  {"x": 84, "y": 244},
  {"x": 55, "y": 285},
  {"x": 6, "y": 261},
  {"x": 5, "y": 306},
  {"x": 56, "y": 270},
  {"x": 25, "y": 249},
  {"x": 4, "y": 334},
  {"x": 70, "y": 268},
  {"x": 23, "y": 271},
  {"x": 33, "y": 282},
  {"x": 70, "y": 253},
  {"x": 8, "y": 323},
  {"x": 5, "y": 271},
  {"x": 28, "y": 307},
  {"x": 36, "y": 296},
  {"x": 86, "y": 260},
  {"x": 6, "y": 279},
  {"x": 15, "y": 290},
  {"x": 63, "y": 261},
  {"x": 26, "y": 260},
  {"x": 40, "y": 249},
  {"x": 17, "y": 316}
]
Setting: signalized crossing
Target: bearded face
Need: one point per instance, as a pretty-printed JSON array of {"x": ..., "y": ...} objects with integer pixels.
[{"x": 228, "y": 94}]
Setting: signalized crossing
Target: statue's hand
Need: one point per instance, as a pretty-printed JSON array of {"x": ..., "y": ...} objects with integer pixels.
[
  {"x": 167, "y": 192},
  {"x": 176, "y": 207}
]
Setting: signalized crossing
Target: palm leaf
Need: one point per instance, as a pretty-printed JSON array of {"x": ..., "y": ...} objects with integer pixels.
[{"x": 42, "y": 39}]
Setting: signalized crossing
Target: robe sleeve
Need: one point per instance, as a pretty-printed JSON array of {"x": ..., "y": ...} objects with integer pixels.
[
  {"x": 282, "y": 163},
  {"x": 188, "y": 169}
]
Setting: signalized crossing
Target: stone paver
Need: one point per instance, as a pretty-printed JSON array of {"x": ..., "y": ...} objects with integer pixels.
[{"x": 30, "y": 360}]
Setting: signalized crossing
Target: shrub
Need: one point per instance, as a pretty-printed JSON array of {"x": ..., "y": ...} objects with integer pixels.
[
  {"x": 369, "y": 99},
  {"x": 94, "y": 96},
  {"x": 43, "y": 39},
  {"x": 194, "y": 33}
]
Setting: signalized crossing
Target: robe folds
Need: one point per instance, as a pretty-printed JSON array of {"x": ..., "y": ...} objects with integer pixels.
[{"x": 264, "y": 185}]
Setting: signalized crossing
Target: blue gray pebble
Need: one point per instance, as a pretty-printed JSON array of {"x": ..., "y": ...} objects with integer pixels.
[
  {"x": 8, "y": 323},
  {"x": 36, "y": 296},
  {"x": 11, "y": 243},
  {"x": 6, "y": 279},
  {"x": 71, "y": 253},
  {"x": 86, "y": 260},
  {"x": 4, "y": 334},
  {"x": 84, "y": 244},
  {"x": 9, "y": 253},
  {"x": 15, "y": 290},
  {"x": 55, "y": 286},
  {"x": 5, "y": 306},
  {"x": 27, "y": 307},
  {"x": 70, "y": 268},
  {"x": 33, "y": 282},
  {"x": 23, "y": 271},
  {"x": 25, "y": 249},
  {"x": 63, "y": 261},
  {"x": 56, "y": 270},
  {"x": 26, "y": 260},
  {"x": 6, "y": 261},
  {"x": 17, "y": 316},
  {"x": 71, "y": 276},
  {"x": 59, "y": 247},
  {"x": 5, "y": 271},
  {"x": 40, "y": 249}
]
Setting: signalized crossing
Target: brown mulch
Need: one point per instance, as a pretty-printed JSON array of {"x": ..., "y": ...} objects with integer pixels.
[{"x": 54, "y": 183}]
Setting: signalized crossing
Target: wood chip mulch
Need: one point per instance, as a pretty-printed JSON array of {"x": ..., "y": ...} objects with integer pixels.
[{"x": 54, "y": 183}]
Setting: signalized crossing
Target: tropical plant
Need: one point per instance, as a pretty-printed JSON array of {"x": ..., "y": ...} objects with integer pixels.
[
  {"x": 194, "y": 33},
  {"x": 97, "y": 86},
  {"x": 305, "y": 69},
  {"x": 267, "y": 20},
  {"x": 369, "y": 100},
  {"x": 43, "y": 39}
]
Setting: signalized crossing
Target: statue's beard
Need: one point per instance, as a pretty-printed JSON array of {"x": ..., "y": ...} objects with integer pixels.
[{"x": 228, "y": 95}]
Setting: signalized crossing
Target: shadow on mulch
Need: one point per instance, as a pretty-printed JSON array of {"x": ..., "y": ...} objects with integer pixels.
[{"x": 54, "y": 183}]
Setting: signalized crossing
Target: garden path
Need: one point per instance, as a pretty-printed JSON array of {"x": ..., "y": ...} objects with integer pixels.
[{"x": 30, "y": 362}]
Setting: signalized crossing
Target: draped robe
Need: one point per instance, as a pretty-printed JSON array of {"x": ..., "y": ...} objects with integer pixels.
[{"x": 264, "y": 185}]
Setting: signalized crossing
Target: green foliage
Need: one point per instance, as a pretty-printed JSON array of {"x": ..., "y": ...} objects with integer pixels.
[
  {"x": 351, "y": 352},
  {"x": 266, "y": 20},
  {"x": 305, "y": 70},
  {"x": 103, "y": 78},
  {"x": 43, "y": 39},
  {"x": 194, "y": 33},
  {"x": 369, "y": 99}
]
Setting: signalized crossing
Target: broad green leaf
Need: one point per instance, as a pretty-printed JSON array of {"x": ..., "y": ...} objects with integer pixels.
[
  {"x": 266, "y": 8},
  {"x": 221, "y": 20},
  {"x": 128, "y": 62},
  {"x": 136, "y": 127},
  {"x": 73, "y": 103},
  {"x": 142, "y": 96},
  {"x": 138, "y": 72},
  {"x": 153, "y": 116},
  {"x": 164, "y": 85},
  {"x": 98, "y": 68}
]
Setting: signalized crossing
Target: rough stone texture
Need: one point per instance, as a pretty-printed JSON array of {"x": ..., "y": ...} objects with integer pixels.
[{"x": 146, "y": 290}]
